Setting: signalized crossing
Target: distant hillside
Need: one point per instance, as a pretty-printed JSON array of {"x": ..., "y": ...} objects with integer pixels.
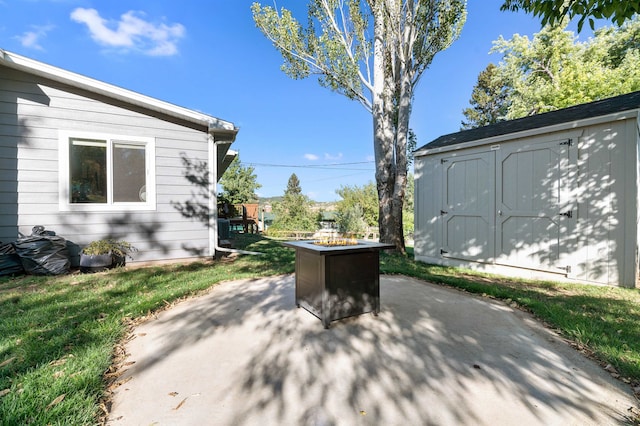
[
  {"x": 325, "y": 206},
  {"x": 269, "y": 200}
]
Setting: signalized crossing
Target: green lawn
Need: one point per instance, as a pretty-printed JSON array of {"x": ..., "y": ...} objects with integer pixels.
[{"x": 59, "y": 335}]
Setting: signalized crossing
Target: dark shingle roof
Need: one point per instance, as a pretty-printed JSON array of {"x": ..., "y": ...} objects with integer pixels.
[{"x": 579, "y": 112}]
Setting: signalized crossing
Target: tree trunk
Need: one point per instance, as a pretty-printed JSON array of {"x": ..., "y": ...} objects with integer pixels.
[
  {"x": 390, "y": 207},
  {"x": 404, "y": 97}
]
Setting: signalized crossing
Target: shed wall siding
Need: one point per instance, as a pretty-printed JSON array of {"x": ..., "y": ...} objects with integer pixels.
[
  {"x": 31, "y": 115},
  {"x": 629, "y": 272},
  {"x": 427, "y": 189},
  {"x": 600, "y": 180}
]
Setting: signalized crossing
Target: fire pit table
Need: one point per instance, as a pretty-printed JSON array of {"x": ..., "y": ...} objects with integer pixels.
[{"x": 336, "y": 280}]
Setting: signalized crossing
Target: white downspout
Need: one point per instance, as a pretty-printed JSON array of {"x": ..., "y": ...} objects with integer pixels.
[
  {"x": 213, "y": 195},
  {"x": 213, "y": 204}
]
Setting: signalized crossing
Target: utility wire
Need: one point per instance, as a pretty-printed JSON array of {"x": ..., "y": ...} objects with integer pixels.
[
  {"x": 334, "y": 166},
  {"x": 335, "y": 177}
]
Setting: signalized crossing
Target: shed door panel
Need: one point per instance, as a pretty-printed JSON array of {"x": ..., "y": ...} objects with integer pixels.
[
  {"x": 532, "y": 191},
  {"x": 468, "y": 213}
]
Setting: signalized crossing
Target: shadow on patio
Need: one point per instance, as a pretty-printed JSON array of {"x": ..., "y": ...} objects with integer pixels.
[{"x": 244, "y": 354}]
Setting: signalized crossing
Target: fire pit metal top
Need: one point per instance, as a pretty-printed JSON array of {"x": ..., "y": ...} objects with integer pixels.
[{"x": 317, "y": 246}]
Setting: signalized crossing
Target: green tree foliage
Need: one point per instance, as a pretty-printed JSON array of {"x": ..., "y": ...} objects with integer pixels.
[
  {"x": 351, "y": 221},
  {"x": 294, "y": 212},
  {"x": 553, "y": 71},
  {"x": 412, "y": 144},
  {"x": 358, "y": 198},
  {"x": 239, "y": 184},
  {"x": 489, "y": 100},
  {"x": 374, "y": 52},
  {"x": 555, "y": 11},
  {"x": 534, "y": 69},
  {"x": 357, "y": 208},
  {"x": 293, "y": 185},
  {"x": 409, "y": 207}
]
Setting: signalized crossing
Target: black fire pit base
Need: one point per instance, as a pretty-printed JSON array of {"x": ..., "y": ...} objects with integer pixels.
[{"x": 338, "y": 282}]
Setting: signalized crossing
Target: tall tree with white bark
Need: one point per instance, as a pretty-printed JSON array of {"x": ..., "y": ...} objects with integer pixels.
[{"x": 374, "y": 52}]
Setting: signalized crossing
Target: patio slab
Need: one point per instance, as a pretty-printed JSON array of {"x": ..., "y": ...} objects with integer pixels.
[{"x": 245, "y": 355}]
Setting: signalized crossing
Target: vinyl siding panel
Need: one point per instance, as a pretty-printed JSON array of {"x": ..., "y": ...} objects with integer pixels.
[
  {"x": 9, "y": 138},
  {"x": 91, "y": 121},
  {"x": 29, "y": 153},
  {"x": 7, "y": 220},
  {"x": 34, "y": 111},
  {"x": 25, "y": 136},
  {"x": 39, "y": 187},
  {"x": 6, "y": 163}
]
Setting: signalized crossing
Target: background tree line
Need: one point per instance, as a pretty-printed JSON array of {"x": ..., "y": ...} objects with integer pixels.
[
  {"x": 553, "y": 70},
  {"x": 356, "y": 211}
]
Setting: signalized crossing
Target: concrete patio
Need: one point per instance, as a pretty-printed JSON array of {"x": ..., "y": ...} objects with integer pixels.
[{"x": 245, "y": 355}]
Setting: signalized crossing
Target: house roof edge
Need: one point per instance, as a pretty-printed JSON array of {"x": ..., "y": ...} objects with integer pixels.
[{"x": 32, "y": 66}]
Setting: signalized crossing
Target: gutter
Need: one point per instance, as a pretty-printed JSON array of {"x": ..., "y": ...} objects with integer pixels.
[{"x": 213, "y": 202}]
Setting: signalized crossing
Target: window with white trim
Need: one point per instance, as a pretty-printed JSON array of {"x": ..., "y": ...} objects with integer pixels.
[{"x": 101, "y": 172}]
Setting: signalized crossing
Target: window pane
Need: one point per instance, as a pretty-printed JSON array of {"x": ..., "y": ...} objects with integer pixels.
[
  {"x": 88, "y": 171},
  {"x": 129, "y": 173}
]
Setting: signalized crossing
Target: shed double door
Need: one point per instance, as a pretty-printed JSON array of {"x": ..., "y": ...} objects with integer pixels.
[
  {"x": 468, "y": 211},
  {"x": 510, "y": 206}
]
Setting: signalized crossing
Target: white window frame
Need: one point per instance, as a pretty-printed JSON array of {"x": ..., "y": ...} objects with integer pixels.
[{"x": 65, "y": 203}]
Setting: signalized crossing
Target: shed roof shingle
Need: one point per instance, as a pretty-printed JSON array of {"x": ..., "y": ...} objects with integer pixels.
[{"x": 602, "y": 107}]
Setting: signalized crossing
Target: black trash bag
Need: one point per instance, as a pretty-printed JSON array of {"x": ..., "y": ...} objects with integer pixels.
[
  {"x": 43, "y": 253},
  {"x": 10, "y": 263}
]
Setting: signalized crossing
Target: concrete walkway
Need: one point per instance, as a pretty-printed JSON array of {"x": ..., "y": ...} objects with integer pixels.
[{"x": 245, "y": 355}]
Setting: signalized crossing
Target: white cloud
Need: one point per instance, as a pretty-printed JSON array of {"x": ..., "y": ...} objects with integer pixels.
[
  {"x": 311, "y": 157},
  {"x": 333, "y": 157},
  {"x": 31, "y": 39},
  {"x": 370, "y": 158},
  {"x": 131, "y": 32}
]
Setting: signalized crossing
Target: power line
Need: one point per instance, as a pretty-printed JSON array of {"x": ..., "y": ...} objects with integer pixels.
[
  {"x": 335, "y": 177},
  {"x": 334, "y": 166}
]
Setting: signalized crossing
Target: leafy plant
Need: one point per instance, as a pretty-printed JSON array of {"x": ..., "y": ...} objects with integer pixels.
[{"x": 109, "y": 246}]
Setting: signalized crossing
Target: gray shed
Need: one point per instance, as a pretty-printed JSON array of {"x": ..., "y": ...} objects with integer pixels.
[
  {"x": 90, "y": 160},
  {"x": 551, "y": 196}
]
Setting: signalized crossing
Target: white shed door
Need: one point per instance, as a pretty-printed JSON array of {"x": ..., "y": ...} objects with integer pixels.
[
  {"x": 468, "y": 212},
  {"x": 532, "y": 200}
]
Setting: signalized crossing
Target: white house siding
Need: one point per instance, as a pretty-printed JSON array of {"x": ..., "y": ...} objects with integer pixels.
[
  {"x": 521, "y": 233},
  {"x": 32, "y": 113}
]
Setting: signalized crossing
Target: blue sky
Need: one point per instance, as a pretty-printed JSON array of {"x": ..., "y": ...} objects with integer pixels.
[{"x": 207, "y": 55}]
